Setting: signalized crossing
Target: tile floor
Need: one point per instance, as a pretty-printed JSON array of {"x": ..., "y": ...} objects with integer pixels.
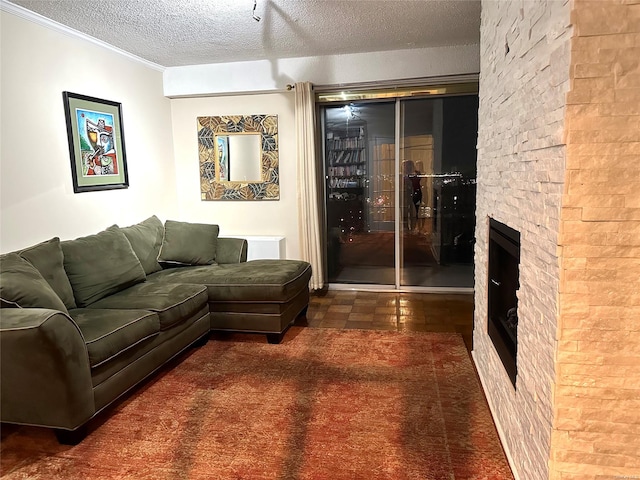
[{"x": 417, "y": 312}]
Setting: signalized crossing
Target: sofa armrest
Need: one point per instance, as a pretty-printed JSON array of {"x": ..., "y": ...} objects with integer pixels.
[
  {"x": 45, "y": 373},
  {"x": 231, "y": 250}
]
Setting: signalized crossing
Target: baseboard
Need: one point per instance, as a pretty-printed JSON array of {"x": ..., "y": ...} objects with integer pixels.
[{"x": 498, "y": 426}]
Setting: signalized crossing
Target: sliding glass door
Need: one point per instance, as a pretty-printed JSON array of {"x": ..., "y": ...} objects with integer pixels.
[
  {"x": 360, "y": 190},
  {"x": 438, "y": 172},
  {"x": 400, "y": 191}
]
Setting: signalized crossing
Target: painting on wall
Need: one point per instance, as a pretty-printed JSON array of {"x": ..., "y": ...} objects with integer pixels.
[
  {"x": 96, "y": 143},
  {"x": 238, "y": 156}
]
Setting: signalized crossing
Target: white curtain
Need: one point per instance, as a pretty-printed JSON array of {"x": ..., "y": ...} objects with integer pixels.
[{"x": 309, "y": 215}]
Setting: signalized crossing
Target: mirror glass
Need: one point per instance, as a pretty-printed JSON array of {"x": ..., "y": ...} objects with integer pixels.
[{"x": 239, "y": 157}]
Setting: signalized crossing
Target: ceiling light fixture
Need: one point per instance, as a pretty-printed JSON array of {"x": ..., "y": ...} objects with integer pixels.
[{"x": 253, "y": 13}]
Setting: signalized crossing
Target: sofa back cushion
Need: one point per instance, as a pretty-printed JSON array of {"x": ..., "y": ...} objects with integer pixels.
[
  {"x": 22, "y": 285},
  {"x": 48, "y": 259},
  {"x": 146, "y": 239},
  {"x": 101, "y": 264},
  {"x": 189, "y": 243}
]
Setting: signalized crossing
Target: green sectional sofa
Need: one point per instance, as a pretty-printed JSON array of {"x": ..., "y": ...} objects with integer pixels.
[{"x": 84, "y": 321}]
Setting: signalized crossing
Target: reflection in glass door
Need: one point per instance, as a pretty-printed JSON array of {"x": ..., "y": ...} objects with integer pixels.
[
  {"x": 359, "y": 185},
  {"x": 438, "y": 171},
  {"x": 400, "y": 191}
]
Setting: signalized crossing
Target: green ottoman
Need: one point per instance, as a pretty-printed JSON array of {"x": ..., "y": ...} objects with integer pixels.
[{"x": 258, "y": 296}]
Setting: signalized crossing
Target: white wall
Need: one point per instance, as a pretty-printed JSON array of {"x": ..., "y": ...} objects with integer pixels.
[
  {"x": 36, "y": 192},
  {"x": 274, "y": 75},
  {"x": 238, "y": 218}
]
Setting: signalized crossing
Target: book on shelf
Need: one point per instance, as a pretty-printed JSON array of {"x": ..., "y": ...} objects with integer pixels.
[
  {"x": 337, "y": 143},
  {"x": 345, "y": 171},
  {"x": 346, "y": 156}
]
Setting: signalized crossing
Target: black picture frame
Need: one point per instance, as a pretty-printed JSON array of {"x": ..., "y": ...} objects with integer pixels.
[{"x": 96, "y": 143}]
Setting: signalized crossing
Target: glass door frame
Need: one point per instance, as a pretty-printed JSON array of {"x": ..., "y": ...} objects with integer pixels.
[
  {"x": 467, "y": 85},
  {"x": 398, "y": 201}
]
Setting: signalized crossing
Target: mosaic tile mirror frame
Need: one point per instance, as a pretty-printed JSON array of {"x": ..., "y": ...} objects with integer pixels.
[{"x": 217, "y": 157}]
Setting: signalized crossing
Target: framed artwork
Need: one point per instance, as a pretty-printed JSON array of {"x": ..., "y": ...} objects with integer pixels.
[{"x": 96, "y": 143}]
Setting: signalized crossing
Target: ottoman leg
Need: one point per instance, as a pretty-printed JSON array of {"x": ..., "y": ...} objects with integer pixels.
[
  {"x": 71, "y": 437},
  {"x": 274, "y": 338}
]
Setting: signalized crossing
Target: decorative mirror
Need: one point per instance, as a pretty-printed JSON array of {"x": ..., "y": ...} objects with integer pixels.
[{"x": 238, "y": 157}]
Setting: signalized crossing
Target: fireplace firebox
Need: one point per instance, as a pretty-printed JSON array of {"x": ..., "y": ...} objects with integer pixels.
[{"x": 504, "y": 273}]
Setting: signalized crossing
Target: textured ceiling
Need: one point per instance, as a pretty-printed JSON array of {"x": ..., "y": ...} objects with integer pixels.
[{"x": 191, "y": 32}]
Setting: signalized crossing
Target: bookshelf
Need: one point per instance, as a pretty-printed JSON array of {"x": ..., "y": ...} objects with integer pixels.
[
  {"x": 346, "y": 158},
  {"x": 347, "y": 186},
  {"x": 346, "y": 167}
]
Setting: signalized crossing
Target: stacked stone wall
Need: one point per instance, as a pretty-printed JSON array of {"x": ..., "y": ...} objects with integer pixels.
[
  {"x": 524, "y": 79},
  {"x": 596, "y": 431}
]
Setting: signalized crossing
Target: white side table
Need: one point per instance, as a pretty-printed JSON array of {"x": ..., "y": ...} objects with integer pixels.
[{"x": 259, "y": 247}]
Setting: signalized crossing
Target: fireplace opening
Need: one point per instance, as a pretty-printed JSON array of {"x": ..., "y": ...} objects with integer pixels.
[{"x": 504, "y": 282}]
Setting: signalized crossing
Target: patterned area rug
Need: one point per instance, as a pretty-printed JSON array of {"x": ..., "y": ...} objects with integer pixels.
[{"x": 324, "y": 404}]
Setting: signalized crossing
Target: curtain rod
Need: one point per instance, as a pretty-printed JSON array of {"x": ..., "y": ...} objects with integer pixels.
[{"x": 292, "y": 86}]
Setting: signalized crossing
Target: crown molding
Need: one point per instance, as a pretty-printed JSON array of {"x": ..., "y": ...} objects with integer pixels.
[{"x": 28, "y": 15}]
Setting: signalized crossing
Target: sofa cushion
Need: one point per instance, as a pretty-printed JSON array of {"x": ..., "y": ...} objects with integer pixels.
[
  {"x": 22, "y": 285},
  {"x": 47, "y": 257},
  {"x": 252, "y": 281},
  {"x": 101, "y": 264},
  {"x": 173, "y": 303},
  {"x": 189, "y": 243},
  {"x": 108, "y": 333},
  {"x": 146, "y": 239}
]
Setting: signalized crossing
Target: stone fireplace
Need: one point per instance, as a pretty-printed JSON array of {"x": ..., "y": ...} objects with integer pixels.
[
  {"x": 504, "y": 282},
  {"x": 558, "y": 149}
]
